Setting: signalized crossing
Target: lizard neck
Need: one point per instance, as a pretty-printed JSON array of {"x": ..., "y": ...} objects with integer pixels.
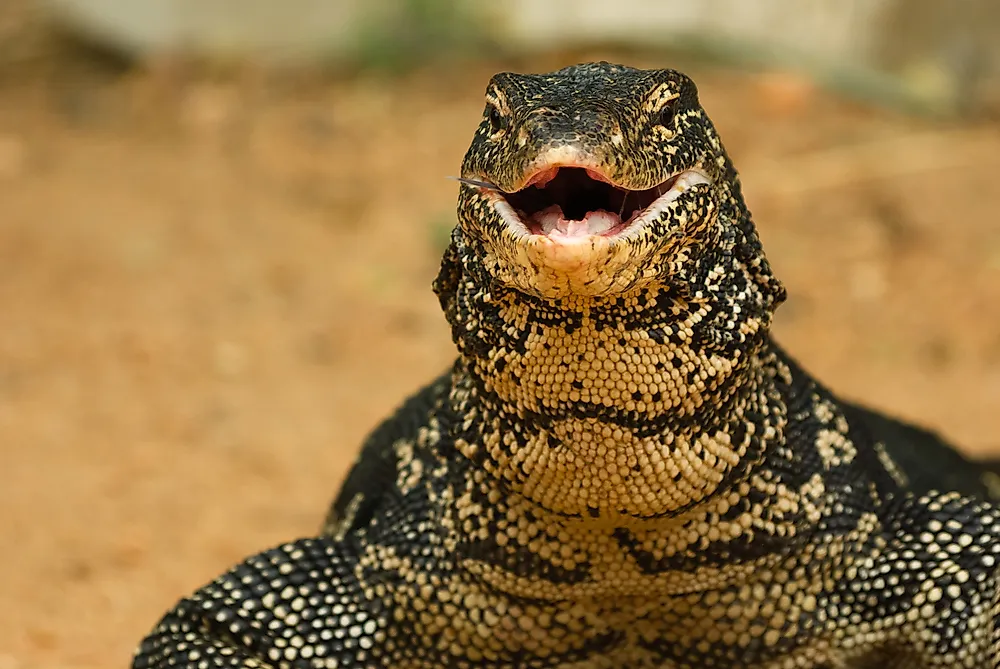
[{"x": 639, "y": 405}]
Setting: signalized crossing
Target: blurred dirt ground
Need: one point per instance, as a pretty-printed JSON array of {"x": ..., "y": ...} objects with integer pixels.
[{"x": 212, "y": 288}]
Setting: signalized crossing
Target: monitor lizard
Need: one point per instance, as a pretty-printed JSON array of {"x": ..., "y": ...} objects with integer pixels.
[{"x": 622, "y": 468}]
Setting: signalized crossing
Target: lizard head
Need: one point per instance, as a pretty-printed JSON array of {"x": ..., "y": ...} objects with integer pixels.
[
  {"x": 608, "y": 295},
  {"x": 597, "y": 179}
]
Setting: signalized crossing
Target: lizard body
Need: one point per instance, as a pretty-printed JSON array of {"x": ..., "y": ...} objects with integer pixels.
[{"x": 622, "y": 468}]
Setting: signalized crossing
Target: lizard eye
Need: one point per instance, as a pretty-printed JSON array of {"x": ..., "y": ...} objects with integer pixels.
[
  {"x": 496, "y": 119},
  {"x": 665, "y": 117}
]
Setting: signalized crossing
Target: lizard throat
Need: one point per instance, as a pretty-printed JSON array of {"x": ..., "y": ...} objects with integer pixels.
[{"x": 588, "y": 419}]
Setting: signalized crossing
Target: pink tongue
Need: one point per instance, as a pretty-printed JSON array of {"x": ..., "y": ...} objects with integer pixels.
[{"x": 551, "y": 221}]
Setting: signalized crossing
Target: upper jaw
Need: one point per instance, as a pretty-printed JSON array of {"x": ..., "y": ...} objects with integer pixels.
[{"x": 570, "y": 204}]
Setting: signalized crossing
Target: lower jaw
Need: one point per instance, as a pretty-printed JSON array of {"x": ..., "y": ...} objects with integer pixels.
[{"x": 583, "y": 267}]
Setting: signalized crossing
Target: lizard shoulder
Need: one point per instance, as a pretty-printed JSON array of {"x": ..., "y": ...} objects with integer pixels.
[{"x": 387, "y": 460}]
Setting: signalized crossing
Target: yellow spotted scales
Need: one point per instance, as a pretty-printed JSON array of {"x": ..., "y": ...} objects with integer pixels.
[{"x": 622, "y": 469}]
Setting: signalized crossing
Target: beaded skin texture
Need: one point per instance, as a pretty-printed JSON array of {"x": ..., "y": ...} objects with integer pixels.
[{"x": 622, "y": 468}]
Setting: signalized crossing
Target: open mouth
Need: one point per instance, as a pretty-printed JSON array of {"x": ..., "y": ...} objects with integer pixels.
[{"x": 577, "y": 202}]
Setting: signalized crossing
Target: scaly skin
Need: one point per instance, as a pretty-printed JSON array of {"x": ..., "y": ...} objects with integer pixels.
[{"x": 622, "y": 469}]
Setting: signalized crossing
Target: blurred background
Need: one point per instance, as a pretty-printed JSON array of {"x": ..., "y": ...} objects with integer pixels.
[{"x": 219, "y": 221}]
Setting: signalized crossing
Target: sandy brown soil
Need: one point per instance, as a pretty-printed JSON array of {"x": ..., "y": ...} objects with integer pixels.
[{"x": 210, "y": 291}]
